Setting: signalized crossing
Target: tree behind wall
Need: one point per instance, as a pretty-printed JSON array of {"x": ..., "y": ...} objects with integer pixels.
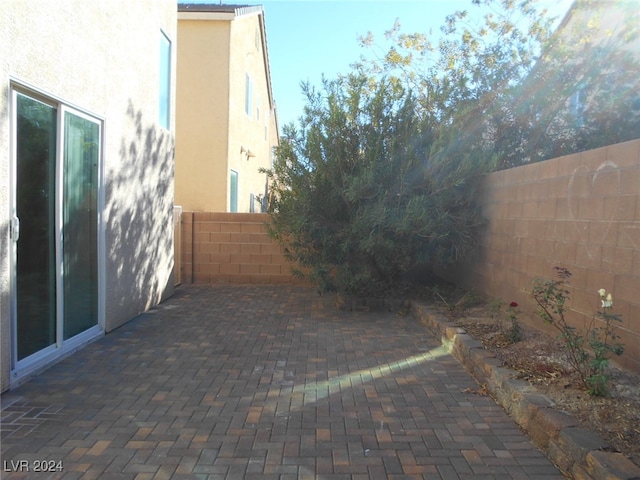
[
  {"x": 529, "y": 94},
  {"x": 584, "y": 92}
]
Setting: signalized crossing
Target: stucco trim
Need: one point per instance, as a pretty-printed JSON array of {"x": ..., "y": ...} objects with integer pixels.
[{"x": 234, "y": 10}]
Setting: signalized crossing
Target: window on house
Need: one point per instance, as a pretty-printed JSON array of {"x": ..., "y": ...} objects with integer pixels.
[
  {"x": 267, "y": 117},
  {"x": 233, "y": 191},
  {"x": 577, "y": 105},
  {"x": 165, "y": 81},
  {"x": 248, "y": 95}
]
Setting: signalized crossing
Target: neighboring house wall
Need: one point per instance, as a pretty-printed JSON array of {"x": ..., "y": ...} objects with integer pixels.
[
  {"x": 220, "y": 49},
  {"x": 102, "y": 60},
  {"x": 579, "y": 211},
  {"x": 202, "y": 114},
  {"x": 257, "y": 130}
]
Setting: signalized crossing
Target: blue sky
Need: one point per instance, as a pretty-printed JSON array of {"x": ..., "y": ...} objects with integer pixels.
[{"x": 309, "y": 38}]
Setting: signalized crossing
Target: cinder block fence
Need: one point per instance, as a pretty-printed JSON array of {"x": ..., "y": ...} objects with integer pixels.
[
  {"x": 581, "y": 212},
  {"x": 231, "y": 248}
]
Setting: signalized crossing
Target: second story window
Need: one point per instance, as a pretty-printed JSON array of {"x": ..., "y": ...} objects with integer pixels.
[
  {"x": 248, "y": 95},
  {"x": 577, "y": 105},
  {"x": 164, "y": 116}
]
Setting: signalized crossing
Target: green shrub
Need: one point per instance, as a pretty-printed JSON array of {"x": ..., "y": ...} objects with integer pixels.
[{"x": 366, "y": 189}]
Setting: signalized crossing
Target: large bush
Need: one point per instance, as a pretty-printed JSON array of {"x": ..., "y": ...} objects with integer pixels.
[{"x": 366, "y": 187}]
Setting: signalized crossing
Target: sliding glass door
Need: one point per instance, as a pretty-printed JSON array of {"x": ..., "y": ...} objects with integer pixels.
[
  {"x": 80, "y": 224},
  {"x": 35, "y": 284},
  {"x": 55, "y": 225}
]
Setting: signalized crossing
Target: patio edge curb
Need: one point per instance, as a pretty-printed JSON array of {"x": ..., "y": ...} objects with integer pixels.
[{"x": 578, "y": 453}]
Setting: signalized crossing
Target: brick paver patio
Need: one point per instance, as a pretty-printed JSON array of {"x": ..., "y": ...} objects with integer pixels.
[{"x": 235, "y": 382}]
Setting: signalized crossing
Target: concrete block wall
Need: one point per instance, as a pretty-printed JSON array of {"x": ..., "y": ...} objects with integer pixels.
[
  {"x": 579, "y": 211},
  {"x": 231, "y": 248}
]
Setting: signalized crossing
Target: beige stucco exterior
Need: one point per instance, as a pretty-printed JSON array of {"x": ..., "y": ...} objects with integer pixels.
[
  {"x": 217, "y": 48},
  {"x": 102, "y": 58}
]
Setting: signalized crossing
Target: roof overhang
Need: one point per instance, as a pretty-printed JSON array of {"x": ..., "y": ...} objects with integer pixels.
[{"x": 208, "y": 11}]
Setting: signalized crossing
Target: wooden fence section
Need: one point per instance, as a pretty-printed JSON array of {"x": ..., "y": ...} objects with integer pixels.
[{"x": 231, "y": 248}]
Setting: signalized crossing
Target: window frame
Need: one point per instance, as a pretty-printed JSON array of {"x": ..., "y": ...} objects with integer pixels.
[
  {"x": 233, "y": 191},
  {"x": 248, "y": 95},
  {"x": 164, "y": 81}
]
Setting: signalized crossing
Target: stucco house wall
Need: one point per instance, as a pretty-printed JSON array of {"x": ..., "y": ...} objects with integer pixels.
[
  {"x": 202, "y": 113},
  {"x": 102, "y": 58},
  {"x": 218, "y": 46},
  {"x": 256, "y": 132}
]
